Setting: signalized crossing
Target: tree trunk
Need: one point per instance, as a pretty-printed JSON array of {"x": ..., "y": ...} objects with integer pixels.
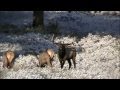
[{"x": 38, "y": 19}]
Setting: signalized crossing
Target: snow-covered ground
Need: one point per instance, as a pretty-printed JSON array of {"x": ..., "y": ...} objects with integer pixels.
[{"x": 98, "y": 59}]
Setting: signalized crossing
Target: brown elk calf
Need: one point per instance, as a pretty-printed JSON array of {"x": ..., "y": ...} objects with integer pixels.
[
  {"x": 66, "y": 52},
  {"x": 8, "y": 58},
  {"x": 46, "y": 58}
]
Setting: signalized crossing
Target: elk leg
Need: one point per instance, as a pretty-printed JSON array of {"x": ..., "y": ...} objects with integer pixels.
[
  {"x": 74, "y": 62},
  {"x": 60, "y": 63},
  {"x": 40, "y": 64},
  {"x": 5, "y": 63},
  {"x": 49, "y": 63},
  {"x": 69, "y": 63},
  {"x": 10, "y": 65},
  {"x": 63, "y": 62}
]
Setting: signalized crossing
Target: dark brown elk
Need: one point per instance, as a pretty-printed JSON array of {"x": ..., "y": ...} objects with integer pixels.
[
  {"x": 8, "y": 59},
  {"x": 46, "y": 57},
  {"x": 66, "y": 52}
]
